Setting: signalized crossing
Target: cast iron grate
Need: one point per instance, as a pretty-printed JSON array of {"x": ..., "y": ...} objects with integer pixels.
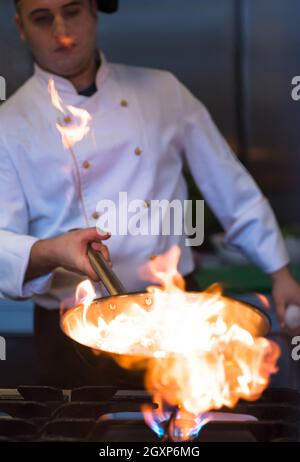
[{"x": 89, "y": 414}]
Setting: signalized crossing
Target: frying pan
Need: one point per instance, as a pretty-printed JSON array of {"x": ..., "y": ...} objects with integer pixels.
[{"x": 119, "y": 302}]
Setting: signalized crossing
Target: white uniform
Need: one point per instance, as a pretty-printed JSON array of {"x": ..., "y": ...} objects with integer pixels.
[{"x": 145, "y": 126}]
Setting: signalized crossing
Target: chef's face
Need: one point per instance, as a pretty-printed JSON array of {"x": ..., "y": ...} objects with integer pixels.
[{"x": 60, "y": 33}]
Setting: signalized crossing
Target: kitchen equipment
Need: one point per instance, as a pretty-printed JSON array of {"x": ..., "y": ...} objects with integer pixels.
[
  {"x": 108, "y": 414},
  {"x": 244, "y": 315}
]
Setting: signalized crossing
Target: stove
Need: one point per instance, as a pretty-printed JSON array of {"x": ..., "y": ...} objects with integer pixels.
[{"x": 108, "y": 414}]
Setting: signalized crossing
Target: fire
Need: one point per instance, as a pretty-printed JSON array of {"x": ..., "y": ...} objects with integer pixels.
[
  {"x": 75, "y": 124},
  {"x": 85, "y": 294},
  {"x": 174, "y": 423},
  {"x": 264, "y": 301},
  {"x": 200, "y": 350},
  {"x": 66, "y": 40}
]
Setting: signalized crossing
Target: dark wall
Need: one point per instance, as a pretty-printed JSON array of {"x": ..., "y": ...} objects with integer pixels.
[
  {"x": 273, "y": 58},
  {"x": 15, "y": 62},
  {"x": 236, "y": 72}
]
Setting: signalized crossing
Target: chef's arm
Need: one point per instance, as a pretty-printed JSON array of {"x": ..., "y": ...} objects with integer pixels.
[
  {"x": 26, "y": 263},
  {"x": 15, "y": 243},
  {"x": 249, "y": 222},
  {"x": 68, "y": 251},
  {"x": 229, "y": 190}
]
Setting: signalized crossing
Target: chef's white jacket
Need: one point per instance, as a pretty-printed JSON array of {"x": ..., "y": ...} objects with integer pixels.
[{"x": 145, "y": 126}]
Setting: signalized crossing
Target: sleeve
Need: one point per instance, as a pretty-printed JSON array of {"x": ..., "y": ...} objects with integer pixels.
[
  {"x": 15, "y": 243},
  {"x": 232, "y": 194}
]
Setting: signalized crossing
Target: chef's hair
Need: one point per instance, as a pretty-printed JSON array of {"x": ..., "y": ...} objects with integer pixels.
[{"x": 16, "y": 2}]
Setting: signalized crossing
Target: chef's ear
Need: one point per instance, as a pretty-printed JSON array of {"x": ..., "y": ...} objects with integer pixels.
[{"x": 19, "y": 23}]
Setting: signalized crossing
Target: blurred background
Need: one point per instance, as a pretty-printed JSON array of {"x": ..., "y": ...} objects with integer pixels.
[{"x": 239, "y": 58}]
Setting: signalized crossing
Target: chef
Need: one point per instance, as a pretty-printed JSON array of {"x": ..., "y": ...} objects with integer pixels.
[{"x": 145, "y": 125}]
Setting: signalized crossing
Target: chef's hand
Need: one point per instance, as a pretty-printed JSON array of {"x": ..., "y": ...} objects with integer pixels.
[
  {"x": 72, "y": 249},
  {"x": 286, "y": 291},
  {"x": 68, "y": 251}
]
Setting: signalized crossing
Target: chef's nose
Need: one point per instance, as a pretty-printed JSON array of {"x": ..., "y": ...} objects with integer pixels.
[{"x": 59, "y": 29}]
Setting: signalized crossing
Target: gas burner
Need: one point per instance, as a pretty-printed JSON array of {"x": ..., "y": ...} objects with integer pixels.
[{"x": 107, "y": 414}]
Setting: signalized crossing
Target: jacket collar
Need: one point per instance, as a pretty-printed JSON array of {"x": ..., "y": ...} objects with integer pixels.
[{"x": 64, "y": 86}]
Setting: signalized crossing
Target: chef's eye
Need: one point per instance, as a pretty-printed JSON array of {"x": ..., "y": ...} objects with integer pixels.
[
  {"x": 45, "y": 20},
  {"x": 72, "y": 11}
]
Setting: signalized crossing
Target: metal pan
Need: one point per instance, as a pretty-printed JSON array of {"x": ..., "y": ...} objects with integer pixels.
[{"x": 245, "y": 315}]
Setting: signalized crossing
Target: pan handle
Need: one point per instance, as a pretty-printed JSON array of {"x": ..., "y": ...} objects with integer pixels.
[{"x": 105, "y": 273}]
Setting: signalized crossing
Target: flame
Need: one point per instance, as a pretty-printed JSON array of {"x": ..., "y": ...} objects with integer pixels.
[
  {"x": 163, "y": 270},
  {"x": 75, "y": 124},
  {"x": 200, "y": 350},
  {"x": 264, "y": 300},
  {"x": 170, "y": 422},
  {"x": 66, "y": 40},
  {"x": 85, "y": 294}
]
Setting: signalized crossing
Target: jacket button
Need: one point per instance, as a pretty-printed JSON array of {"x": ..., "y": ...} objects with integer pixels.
[
  {"x": 67, "y": 119},
  {"x": 124, "y": 103},
  {"x": 86, "y": 164},
  {"x": 95, "y": 215},
  {"x": 138, "y": 152}
]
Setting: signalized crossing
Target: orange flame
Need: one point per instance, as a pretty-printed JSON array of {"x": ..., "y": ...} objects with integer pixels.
[
  {"x": 201, "y": 350},
  {"x": 85, "y": 294},
  {"x": 264, "y": 301},
  {"x": 162, "y": 270},
  {"x": 75, "y": 124},
  {"x": 66, "y": 40}
]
